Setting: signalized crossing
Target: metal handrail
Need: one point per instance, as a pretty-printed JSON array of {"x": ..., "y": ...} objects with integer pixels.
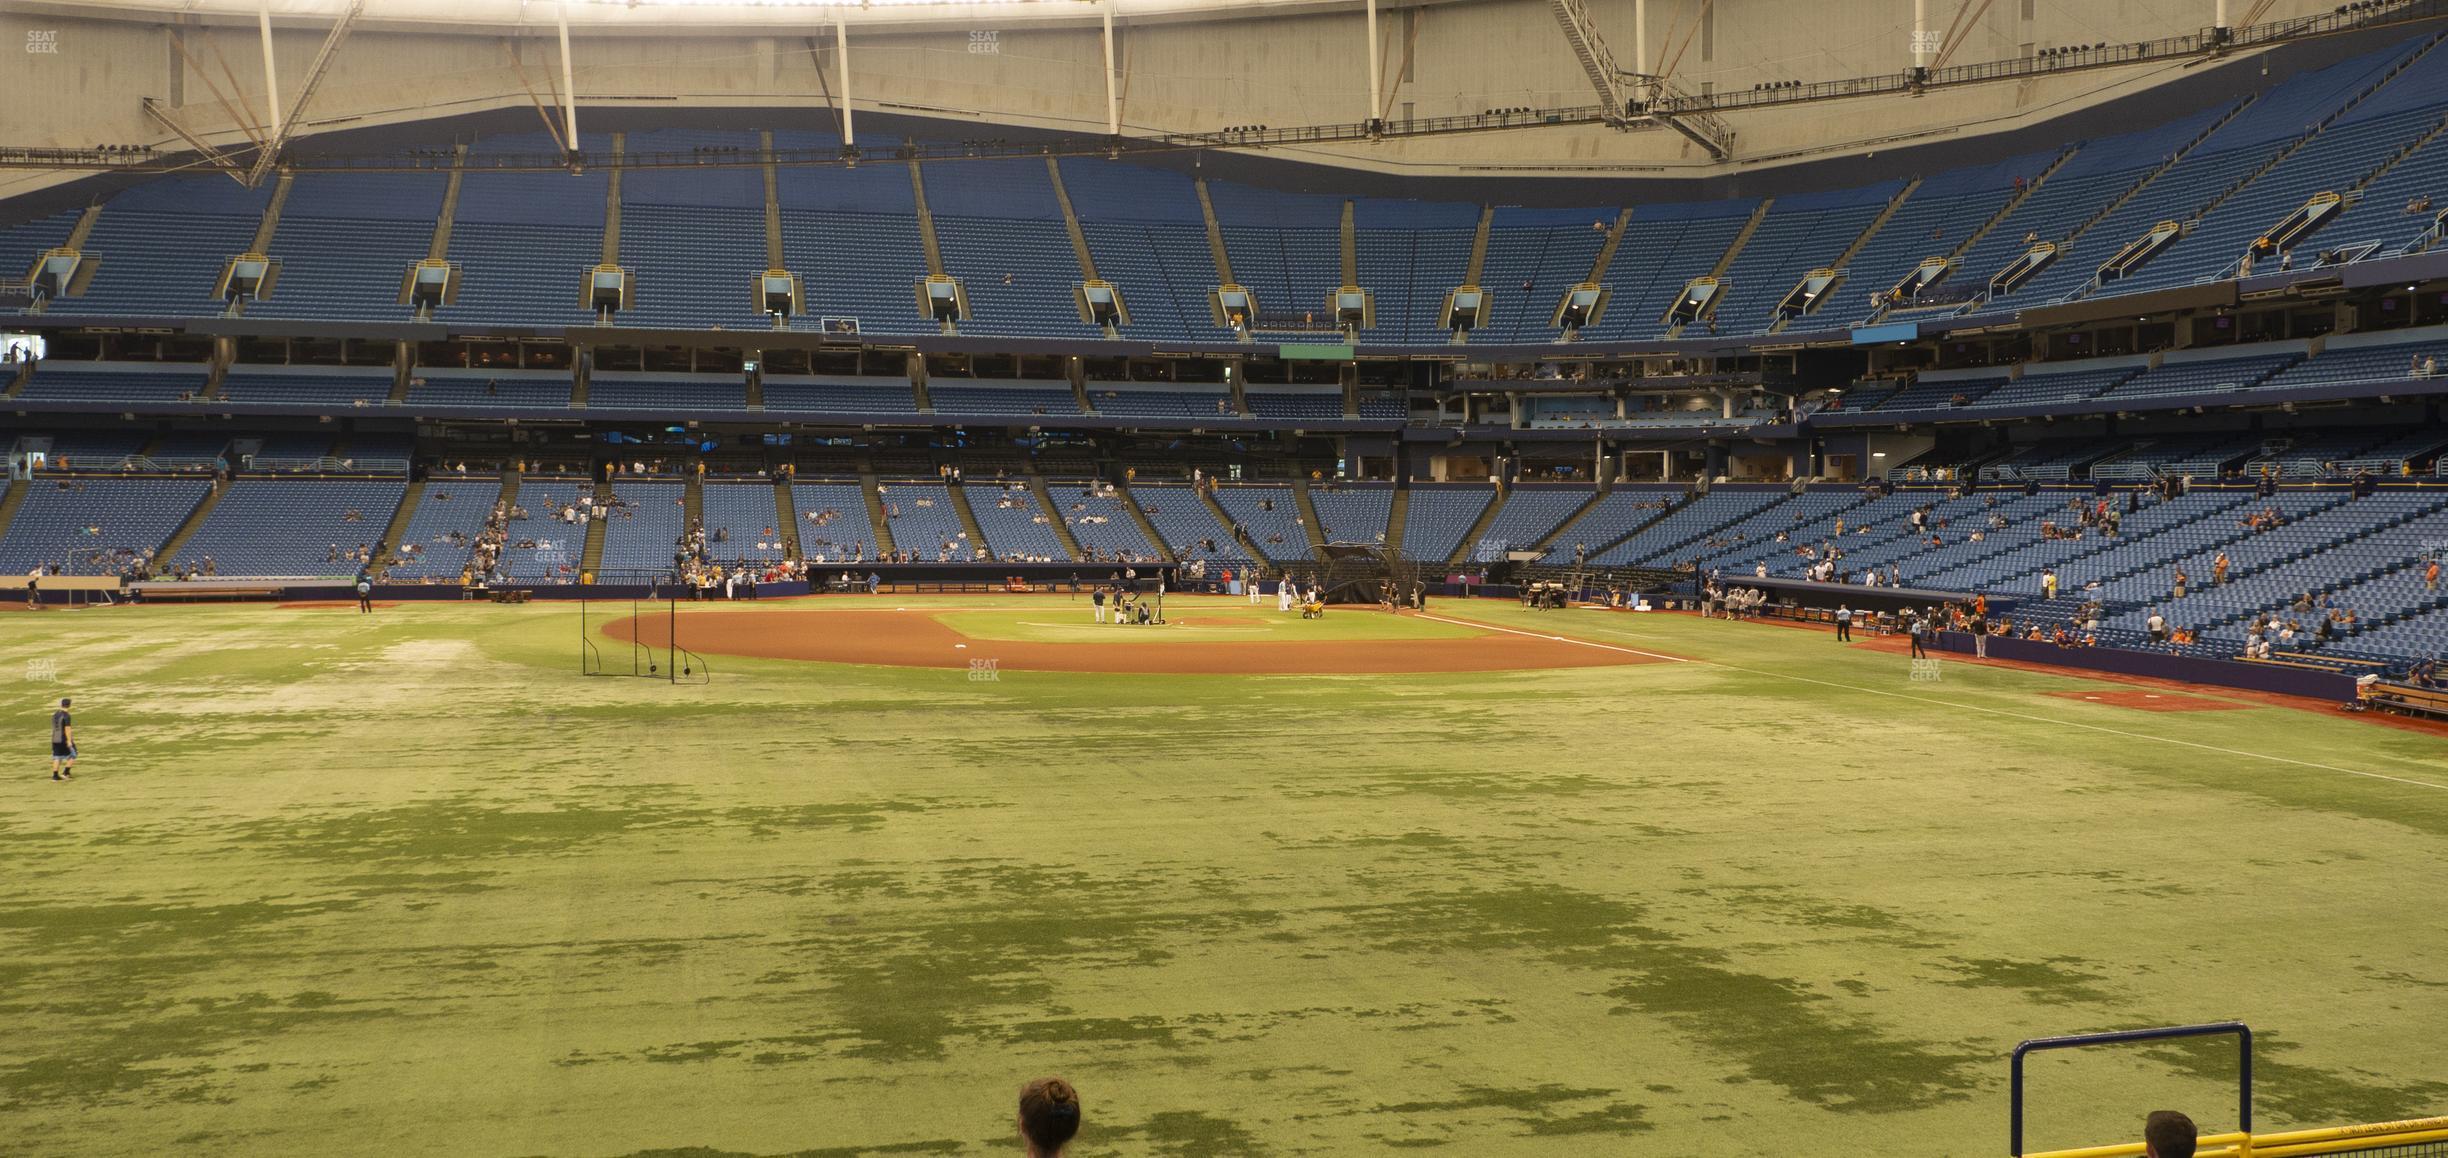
[{"x": 2244, "y": 1080}]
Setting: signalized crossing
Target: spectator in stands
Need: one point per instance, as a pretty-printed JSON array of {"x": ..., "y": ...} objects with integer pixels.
[
  {"x": 2218, "y": 570},
  {"x": 2157, "y": 626},
  {"x": 1050, "y": 1117},
  {"x": 2168, "y": 1134}
]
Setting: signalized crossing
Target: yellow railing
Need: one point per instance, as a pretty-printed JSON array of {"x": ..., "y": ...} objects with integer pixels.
[{"x": 2290, "y": 1144}]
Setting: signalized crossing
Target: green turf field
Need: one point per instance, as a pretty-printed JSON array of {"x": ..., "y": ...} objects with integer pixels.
[{"x": 406, "y": 884}]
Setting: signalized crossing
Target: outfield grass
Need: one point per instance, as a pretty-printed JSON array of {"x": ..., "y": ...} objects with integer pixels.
[{"x": 407, "y": 884}]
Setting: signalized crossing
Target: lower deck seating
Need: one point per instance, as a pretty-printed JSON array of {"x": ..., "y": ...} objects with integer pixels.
[
  {"x": 832, "y": 520},
  {"x": 441, "y": 533},
  {"x": 925, "y": 524},
  {"x": 89, "y": 526},
  {"x": 1438, "y": 515},
  {"x": 1016, "y": 526},
  {"x": 740, "y": 522},
  {"x": 644, "y": 528},
  {"x": 1353, "y": 514},
  {"x": 1182, "y": 517},
  {"x": 277, "y": 526},
  {"x": 1271, "y": 516},
  {"x": 1101, "y": 523}
]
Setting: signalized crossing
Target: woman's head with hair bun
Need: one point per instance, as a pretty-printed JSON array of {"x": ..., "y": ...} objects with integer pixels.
[{"x": 1049, "y": 1115}]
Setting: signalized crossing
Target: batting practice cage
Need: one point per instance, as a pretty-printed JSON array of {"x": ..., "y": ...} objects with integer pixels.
[{"x": 1362, "y": 573}]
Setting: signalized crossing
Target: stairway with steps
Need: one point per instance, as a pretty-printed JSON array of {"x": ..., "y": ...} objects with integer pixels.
[
  {"x": 1224, "y": 523},
  {"x": 876, "y": 521},
  {"x": 177, "y": 541},
  {"x": 1487, "y": 518},
  {"x": 409, "y": 500},
  {"x": 1398, "y": 515},
  {"x": 1548, "y": 540},
  {"x": 11, "y": 499},
  {"x": 1147, "y": 526},
  {"x": 968, "y": 517},
  {"x": 590, "y": 557},
  {"x": 1054, "y": 517},
  {"x": 1308, "y": 515},
  {"x": 786, "y": 517}
]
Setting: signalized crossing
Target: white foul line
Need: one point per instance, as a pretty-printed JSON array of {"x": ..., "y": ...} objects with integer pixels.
[
  {"x": 1556, "y": 638},
  {"x": 2054, "y": 722}
]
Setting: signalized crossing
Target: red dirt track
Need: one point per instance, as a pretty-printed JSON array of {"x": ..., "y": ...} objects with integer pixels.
[{"x": 918, "y": 639}]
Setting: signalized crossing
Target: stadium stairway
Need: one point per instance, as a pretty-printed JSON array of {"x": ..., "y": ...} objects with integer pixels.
[
  {"x": 1307, "y": 506},
  {"x": 11, "y": 499},
  {"x": 1054, "y": 517},
  {"x": 409, "y": 499},
  {"x": 1147, "y": 526},
  {"x": 692, "y": 500},
  {"x": 786, "y": 516},
  {"x": 2012, "y": 203},
  {"x": 876, "y": 520},
  {"x": 1397, "y": 515},
  {"x": 590, "y": 557},
  {"x": 968, "y": 517},
  {"x": 2173, "y": 159},
  {"x": 1843, "y": 260},
  {"x": 1224, "y": 523},
  {"x": 1674, "y": 507},
  {"x": 1215, "y": 242},
  {"x": 1071, "y": 223},
  {"x": 1547, "y": 542},
  {"x": 1607, "y": 248},
  {"x": 1479, "y": 526},
  {"x": 926, "y": 221},
  {"x": 195, "y": 520}
]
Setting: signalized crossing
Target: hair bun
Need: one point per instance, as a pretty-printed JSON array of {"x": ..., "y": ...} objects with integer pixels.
[{"x": 1060, "y": 1093}]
